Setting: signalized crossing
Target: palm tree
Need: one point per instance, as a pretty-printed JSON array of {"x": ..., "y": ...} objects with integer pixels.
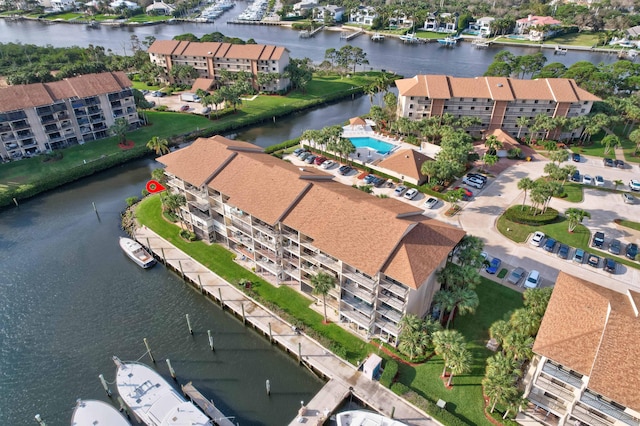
[
  {"x": 525, "y": 184},
  {"x": 466, "y": 300},
  {"x": 119, "y": 129},
  {"x": 618, "y": 182},
  {"x": 459, "y": 362},
  {"x": 413, "y": 338},
  {"x": 322, "y": 283},
  {"x": 158, "y": 145},
  {"x": 525, "y": 321},
  {"x": 445, "y": 301},
  {"x": 499, "y": 330},
  {"x": 173, "y": 203},
  {"x": 608, "y": 141},
  {"x": 575, "y": 216},
  {"x": 499, "y": 389},
  {"x": 559, "y": 156},
  {"x": 518, "y": 345},
  {"x": 502, "y": 365},
  {"x": 469, "y": 249},
  {"x": 371, "y": 91},
  {"x": 446, "y": 342}
]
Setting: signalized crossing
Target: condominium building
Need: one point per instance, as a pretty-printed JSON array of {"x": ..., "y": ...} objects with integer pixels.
[
  {"x": 44, "y": 116},
  {"x": 210, "y": 58},
  {"x": 289, "y": 223},
  {"x": 586, "y": 369},
  {"x": 498, "y": 102}
]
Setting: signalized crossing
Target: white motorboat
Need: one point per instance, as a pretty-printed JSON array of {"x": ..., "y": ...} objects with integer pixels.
[
  {"x": 365, "y": 418},
  {"x": 92, "y": 412},
  {"x": 137, "y": 253},
  {"x": 152, "y": 399},
  {"x": 409, "y": 38}
]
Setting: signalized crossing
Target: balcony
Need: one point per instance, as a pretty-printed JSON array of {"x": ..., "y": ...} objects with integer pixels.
[
  {"x": 239, "y": 214},
  {"x": 358, "y": 292},
  {"x": 265, "y": 229},
  {"x": 387, "y": 326},
  {"x": 391, "y": 300},
  {"x": 8, "y": 138},
  {"x": 555, "y": 388},
  {"x": 306, "y": 242},
  {"x": 538, "y": 397},
  {"x": 264, "y": 262},
  {"x": 241, "y": 226},
  {"x": 199, "y": 212},
  {"x": 394, "y": 288},
  {"x": 360, "y": 279},
  {"x": 586, "y": 416},
  {"x": 291, "y": 247},
  {"x": 562, "y": 375},
  {"x": 266, "y": 253},
  {"x": 17, "y": 125},
  {"x": 328, "y": 262},
  {"x": 28, "y": 142},
  {"x": 357, "y": 304},
  {"x": 390, "y": 314},
  {"x": 607, "y": 408},
  {"x": 354, "y": 316}
]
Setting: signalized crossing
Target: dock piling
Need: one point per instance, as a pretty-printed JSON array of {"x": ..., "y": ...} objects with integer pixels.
[
  {"x": 164, "y": 258},
  {"x": 270, "y": 334},
  {"x": 244, "y": 318},
  {"x": 393, "y": 411},
  {"x": 189, "y": 324},
  {"x": 211, "y": 340},
  {"x": 268, "y": 384},
  {"x": 123, "y": 407},
  {"x": 181, "y": 271},
  {"x": 104, "y": 385},
  {"x": 15, "y": 202},
  {"x": 146, "y": 344},
  {"x": 201, "y": 286},
  {"x": 39, "y": 420},
  {"x": 171, "y": 370},
  {"x": 299, "y": 353},
  {"x": 220, "y": 297}
]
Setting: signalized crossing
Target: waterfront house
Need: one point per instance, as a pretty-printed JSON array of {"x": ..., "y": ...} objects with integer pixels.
[
  {"x": 40, "y": 117},
  {"x": 120, "y": 4},
  {"x": 160, "y": 8},
  {"x": 586, "y": 369},
  {"x": 537, "y": 27},
  {"x": 363, "y": 15},
  {"x": 210, "y": 58},
  {"x": 62, "y": 5},
  {"x": 441, "y": 22},
  {"x": 330, "y": 12},
  {"x": 497, "y": 101},
  {"x": 304, "y": 7},
  {"x": 482, "y": 26},
  {"x": 288, "y": 223}
]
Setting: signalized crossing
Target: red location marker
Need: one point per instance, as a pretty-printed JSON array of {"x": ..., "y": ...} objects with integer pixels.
[{"x": 153, "y": 186}]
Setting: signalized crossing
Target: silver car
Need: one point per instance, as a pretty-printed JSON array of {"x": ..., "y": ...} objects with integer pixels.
[{"x": 516, "y": 275}]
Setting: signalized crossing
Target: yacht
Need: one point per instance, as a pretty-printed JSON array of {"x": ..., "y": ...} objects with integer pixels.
[
  {"x": 137, "y": 253},
  {"x": 92, "y": 412},
  {"x": 365, "y": 418}
]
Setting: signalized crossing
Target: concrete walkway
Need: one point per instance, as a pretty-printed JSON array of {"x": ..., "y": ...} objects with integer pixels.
[{"x": 343, "y": 377}]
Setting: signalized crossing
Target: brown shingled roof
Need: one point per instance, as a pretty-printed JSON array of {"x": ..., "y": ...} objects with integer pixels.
[
  {"x": 33, "y": 95},
  {"x": 496, "y": 88},
  {"x": 407, "y": 162},
  {"x": 163, "y": 47},
  {"x": 594, "y": 330},
  {"x": 245, "y": 51}
]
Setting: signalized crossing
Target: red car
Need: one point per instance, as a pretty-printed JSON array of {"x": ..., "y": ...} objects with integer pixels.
[
  {"x": 320, "y": 160},
  {"x": 184, "y": 108},
  {"x": 466, "y": 194}
]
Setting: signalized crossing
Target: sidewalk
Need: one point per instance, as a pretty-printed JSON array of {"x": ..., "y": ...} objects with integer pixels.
[{"x": 343, "y": 377}]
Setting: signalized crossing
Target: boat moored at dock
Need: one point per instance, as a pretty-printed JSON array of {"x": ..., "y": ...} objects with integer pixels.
[
  {"x": 365, "y": 418},
  {"x": 152, "y": 399},
  {"x": 449, "y": 41},
  {"x": 92, "y": 412},
  {"x": 137, "y": 253}
]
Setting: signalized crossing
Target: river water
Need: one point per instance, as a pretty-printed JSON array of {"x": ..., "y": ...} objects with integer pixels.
[{"x": 69, "y": 298}]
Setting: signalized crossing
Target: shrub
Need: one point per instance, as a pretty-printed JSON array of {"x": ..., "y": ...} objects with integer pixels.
[
  {"x": 161, "y": 108},
  {"x": 400, "y": 388},
  {"x": 131, "y": 201},
  {"x": 187, "y": 235},
  {"x": 338, "y": 349},
  {"x": 170, "y": 216},
  {"x": 526, "y": 216},
  {"x": 282, "y": 145},
  {"x": 389, "y": 373}
]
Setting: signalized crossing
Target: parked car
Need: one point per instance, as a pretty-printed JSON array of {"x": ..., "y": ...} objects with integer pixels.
[
  {"x": 619, "y": 164},
  {"x": 634, "y": 185},
  {"x": 550, "y": 245},
  {"x": 628, "y": 198},
  {"x": 614, "y": 247},
  {"x": 608, "y": 162},
  {"x": 533, "y": 279},
  {"x": 158, "y": 94},
  {"x": 303, "y": 156},
  {"x": 466, "y": 194},
  {"x": 593, "y": 260},
  {"x": 298, "y": 152},
  {"x": 345, "y": 170},
  {"x": 472, "y": 181},
  {"x": 587, "y": 179},
  {"x": 563, "y": 251},
  {"x": 537, "y": 238},
  {"x": 494, "y": 265},
  {"x": 575, "y": 157},
  {"x": 378, "y": 181},
  {"x": 431, "y": 202},
  {"x": 575, "y": 177},
  {"x": 399, "y": 190},
  {"x": 609, "y": 265},
  {"x": 327, "y": 164},
  {"x": 632, "y": 251},
  {"x": 516, "y": 275},
  {"x": 411, "y": 194},
  {"x": 598, "y": 240},
  {"x": 578, "y": 256},
  {"x": 599, "y": 180},
  {"x": 319, "y": 160},
  {"x": 184, "y": 108},
  {"x": 206, "y": 110},
  {"x": 310, "y": 159},
  {"x": 483, "y": 178}
]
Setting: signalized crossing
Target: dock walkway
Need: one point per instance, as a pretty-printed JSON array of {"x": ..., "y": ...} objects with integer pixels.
[
  {"x": 207, "y": 406},
  {"x": 343, "y": 377}
]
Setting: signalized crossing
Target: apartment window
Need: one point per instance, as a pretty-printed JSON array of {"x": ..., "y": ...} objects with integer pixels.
[
  {"x": 410, "y": 106},
  {"x": 533, "y": 110},
  {"x": 459, "y": 107},
  {"x": 473, "y": 100},
  {"x": 411, "y": 98},
  {"x": 583, "y": 110},
  {"x": 472, "y": 108},
  {"x": 487, "y": 109},
  {"x": 446, "y": 107},
  {"x": 461, "y": 99},
  {"x": 410, "y": 114},
  {"x": 521, "y": 109},
  {"x": 548, "y": 110},
  {"x": 273, "y": 69},
  {"x": 584, "y": 103},
  {"x": 535, "y": 102}
]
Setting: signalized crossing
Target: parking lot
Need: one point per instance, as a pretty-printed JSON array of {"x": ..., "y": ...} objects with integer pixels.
[
  {"x": 174, "y": 103},
  {"x": 478, "y": 216}
]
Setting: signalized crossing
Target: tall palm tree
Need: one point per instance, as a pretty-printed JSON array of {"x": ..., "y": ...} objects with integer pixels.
[
  {"x": 525, "y": 184},
  {"x": 499, "y": 330},
  {"x": 466, "y": 301},
  {"x": 322, "y": 283},
  {"x": 518, "y": 345},
  {"x": 575, "y": 216},
  {"x": 445, "y": 301},
  {"x": 413, "y": 338},
  {"x": 158, "y": 145},
  {"x": 525, "y": 321},
  {"x": 502, "y": 365},
  {"x": 459, "y": 362},
  {"x": 499, "y": 389},
  {"x": 445, "y": 343},
  {"x": 522, "y": 122}
]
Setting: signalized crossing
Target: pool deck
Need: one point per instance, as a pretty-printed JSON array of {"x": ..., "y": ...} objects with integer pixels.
[{"x": 366, "y": 155}]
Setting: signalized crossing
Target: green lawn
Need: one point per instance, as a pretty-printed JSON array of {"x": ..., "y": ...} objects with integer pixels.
[
  {"x": 465, "y": 398},
  {"x": 220, "y": 260},
  {"x": 596, "y": 149},
  {"x": 586, "y": 38},
  {"x": 630, "y": 224}
]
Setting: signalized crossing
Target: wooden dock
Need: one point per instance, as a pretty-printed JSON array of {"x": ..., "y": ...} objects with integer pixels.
[
  {"x": 350, "y": 36},
  {"x": 343, "y": 378},
  {"x": 207, "y": 406}
]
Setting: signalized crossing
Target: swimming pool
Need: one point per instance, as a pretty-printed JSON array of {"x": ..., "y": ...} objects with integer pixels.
[{"x": 372, "y": 143}]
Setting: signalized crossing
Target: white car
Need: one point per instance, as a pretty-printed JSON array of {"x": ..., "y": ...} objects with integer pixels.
[
  {"x": 634, "y": 185},
  {"x": 399, "y": 190},
  {"x": 533, "y": 279},
  {"x": 327, "y": 164},
  {"x": 599, "y": 181},
  {"x": 473, "y": 181},
  {"x": 431, "y": 202},
  {"x": 410, "y": 194},
  {"x": 537, "y": 238},
  {"x": 587, "y": 180}
]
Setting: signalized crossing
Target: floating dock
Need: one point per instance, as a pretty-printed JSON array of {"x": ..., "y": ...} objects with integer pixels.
[
  {"x": 207, "y": 406},
  {"x": 350, "y": 36}
]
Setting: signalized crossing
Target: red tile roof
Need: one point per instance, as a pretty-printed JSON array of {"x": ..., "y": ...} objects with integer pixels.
[{"x": 216, "y": 49}]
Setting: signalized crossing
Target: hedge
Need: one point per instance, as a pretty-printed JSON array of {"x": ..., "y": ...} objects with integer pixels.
[
  {"x": 444, "y": 416},
  {"x": 281, "y": 146},
  {"x": 525, "y": 216},
  {"x": 389, "y": 373}
]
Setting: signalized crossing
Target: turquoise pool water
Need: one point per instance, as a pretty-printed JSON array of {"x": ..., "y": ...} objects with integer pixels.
[{"x": 372, "y": 143}]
